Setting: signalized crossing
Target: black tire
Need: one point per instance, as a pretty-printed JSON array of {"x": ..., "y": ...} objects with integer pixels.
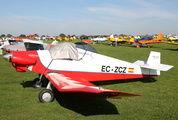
[
  {"x": 35, "y": 83},
  {"x": 46, "y": 96}
]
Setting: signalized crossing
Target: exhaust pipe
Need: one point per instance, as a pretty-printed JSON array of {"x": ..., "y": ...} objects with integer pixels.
[{"x": 8, "y": 57}]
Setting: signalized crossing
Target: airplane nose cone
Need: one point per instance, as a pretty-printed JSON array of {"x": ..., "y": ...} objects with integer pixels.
[{"x": 8, "y": 57}]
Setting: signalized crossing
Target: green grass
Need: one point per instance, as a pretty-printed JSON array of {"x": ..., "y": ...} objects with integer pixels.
[{"x": 19, "y": 100}]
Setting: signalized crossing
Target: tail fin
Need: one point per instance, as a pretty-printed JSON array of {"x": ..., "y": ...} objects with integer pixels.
[
  {"x": 160, "y": 36},
  {"x": 111, "y": 36},
  {"x": 132, "y": 39},
  {"x": 154, "y": 62},
  {"x": 154, "y": 58}
]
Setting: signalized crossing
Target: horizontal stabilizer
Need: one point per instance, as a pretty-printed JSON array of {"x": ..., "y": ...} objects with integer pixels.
[
  {"x": 153, "y": 62},
  {"x": 161, "y": 67}
]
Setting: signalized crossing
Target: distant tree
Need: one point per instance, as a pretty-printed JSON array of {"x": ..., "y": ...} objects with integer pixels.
[
  {"x": 146, "y": 36},
  {"x": 84, "y": 36},
  {"x": 3, "y": 35},
  {"x": 115, "y": 35},
  {"x": 121, "y": 35},
  {"x": 22, "y": 35},
  {"x": 62, "y": 35},
  {"x": 73, "y": 35},
  {"x": 9, "y": 35},
  {"x": 156, "y": 34},
  {"x": 36, "y": 35},
  {"x": 105, "y": 35},
  {"x": 43, "y": 36}
]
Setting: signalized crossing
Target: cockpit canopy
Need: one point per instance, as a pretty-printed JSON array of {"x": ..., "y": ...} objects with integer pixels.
[
  {"x": 68, "y": 51},
  {"x": 65, "y": 50}
]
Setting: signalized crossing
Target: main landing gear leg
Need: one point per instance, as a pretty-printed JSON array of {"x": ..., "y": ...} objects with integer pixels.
[
  {"x": 38, "y": 83},
  {"x": 46, "y": 95}
]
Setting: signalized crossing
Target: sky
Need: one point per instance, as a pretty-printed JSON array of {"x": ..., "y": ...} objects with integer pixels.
[{"x": 88, "y": 17}]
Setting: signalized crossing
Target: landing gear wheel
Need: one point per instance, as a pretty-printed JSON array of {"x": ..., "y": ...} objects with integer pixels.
[
  {"x": 35, "y": 83},
  {"x": 46, "y": 96},
  {"x": 149, "y": 46}
]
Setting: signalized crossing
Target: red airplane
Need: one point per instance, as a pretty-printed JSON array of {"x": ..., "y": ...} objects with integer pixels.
[{"x": 71, "y": 69}]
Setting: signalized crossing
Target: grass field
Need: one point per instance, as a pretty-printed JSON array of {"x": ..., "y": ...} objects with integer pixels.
[{"x": 19, "y": 100}]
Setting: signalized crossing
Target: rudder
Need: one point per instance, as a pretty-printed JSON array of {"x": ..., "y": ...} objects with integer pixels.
[
  {"x": 154, "y": 58},
  {"x": 160, "y": 36}
]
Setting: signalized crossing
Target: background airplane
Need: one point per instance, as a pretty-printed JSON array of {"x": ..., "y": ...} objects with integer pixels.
[
  {"x": 65, "y": 38},
  {"x": 99, "y": 39},
  {"x": 174, "y": 38},
  {"x": 71, "y": 69},
  {"x": 146, "y": 41},
  {"x": 26, "y": 45},
  {"x": 112, "y": 40}
]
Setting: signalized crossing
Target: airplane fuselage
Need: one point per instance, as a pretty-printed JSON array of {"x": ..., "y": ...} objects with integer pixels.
[{"x": 90, "y": 66}]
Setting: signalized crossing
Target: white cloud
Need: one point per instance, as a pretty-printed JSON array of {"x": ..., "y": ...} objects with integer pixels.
[
  {"x": 144, "y": 3},
  {"x": 114, "y": 12},
  {"x": 142, "y": 9}
]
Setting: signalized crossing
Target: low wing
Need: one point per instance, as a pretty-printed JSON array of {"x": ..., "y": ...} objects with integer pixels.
[
  {"x": 83, "y": 87},
  {"x": 150, "y": 41},
  {"x": 173, "y": 43}
]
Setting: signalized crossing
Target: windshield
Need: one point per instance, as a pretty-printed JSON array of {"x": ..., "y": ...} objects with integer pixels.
[{"x": 85, "y": 46}]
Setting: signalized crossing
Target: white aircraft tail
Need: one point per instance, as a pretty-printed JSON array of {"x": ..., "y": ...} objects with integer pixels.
[
  {"x": 153, "y": 62},
  {"x": 154, "y": 58},
  {"x": 111, "y": 36}
]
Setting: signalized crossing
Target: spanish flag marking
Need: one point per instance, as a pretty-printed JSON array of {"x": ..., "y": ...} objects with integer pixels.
[{"x": 131, "y": 70}]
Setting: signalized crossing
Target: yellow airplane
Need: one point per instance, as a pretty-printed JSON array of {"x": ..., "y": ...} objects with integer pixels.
[
  {"x": 125, "y": 37},
  {"x": 175, "y": 38},
  {"x": 64, "y": 38},
  {"x": 112, "y": 40},
  {"x": 132, "y": 40}
]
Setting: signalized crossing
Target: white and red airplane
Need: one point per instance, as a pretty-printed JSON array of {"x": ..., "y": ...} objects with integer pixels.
[{"x": 71, "y": 69}]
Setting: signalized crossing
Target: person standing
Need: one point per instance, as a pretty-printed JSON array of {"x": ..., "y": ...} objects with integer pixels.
[
  {"x": 116, "y": 41},
  {"x": 69, "y": 38},
  {"x": 1, "y": 45}
]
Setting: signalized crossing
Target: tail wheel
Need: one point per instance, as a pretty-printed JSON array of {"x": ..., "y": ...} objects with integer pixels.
[
  {"x": 149, "y": 46},
  {"x": 36, "y": 84},
  {"x": 46, "y": 96}
]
